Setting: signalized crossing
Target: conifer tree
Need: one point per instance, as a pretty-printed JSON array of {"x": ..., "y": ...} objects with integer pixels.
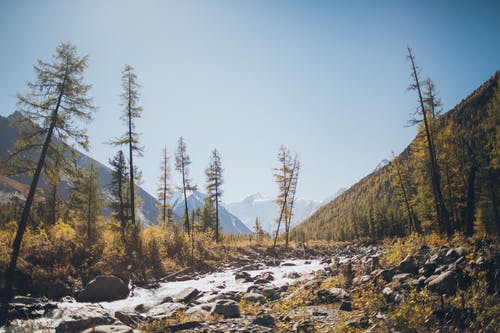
[
  {"x": 411, "y": 216},
  {"x": 208, "y": 214},
  {"x": 214, "y": 183},
  {"x": 87, "y": 200},
  {"x": 131, "y": 111},
  {"x": 118, "y": 187},
  {"x": 58, "y": 98},
  {"x": 182, "y": 162},
  {"x": 164, "y": 189}
]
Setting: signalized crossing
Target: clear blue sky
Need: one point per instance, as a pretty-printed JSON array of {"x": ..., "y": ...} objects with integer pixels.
[{"x": 325, "y": 78}]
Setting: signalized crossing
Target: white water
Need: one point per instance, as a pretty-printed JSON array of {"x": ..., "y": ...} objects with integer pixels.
[{"x": 212, "y": 283}]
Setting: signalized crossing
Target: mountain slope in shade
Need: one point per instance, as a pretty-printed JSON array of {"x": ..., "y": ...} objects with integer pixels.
[
  {"x": 9, "y": 187},
  {"x": 229, "y": 223},
  {"x": 265, "y": 209}
]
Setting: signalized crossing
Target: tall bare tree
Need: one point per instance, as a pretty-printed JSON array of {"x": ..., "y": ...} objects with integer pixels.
[{"x": 57, "y": 99}]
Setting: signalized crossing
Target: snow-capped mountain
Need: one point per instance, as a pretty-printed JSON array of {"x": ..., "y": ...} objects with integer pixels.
[
  {"x": 229, "y": 223},
  {"x": 265, "y": 209}
]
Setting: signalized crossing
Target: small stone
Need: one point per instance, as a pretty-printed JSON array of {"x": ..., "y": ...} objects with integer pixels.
[
  {"x": 264, "y": 320},
  {"x": 345, "y": 306},
  {"x": 109, "y": 329}
]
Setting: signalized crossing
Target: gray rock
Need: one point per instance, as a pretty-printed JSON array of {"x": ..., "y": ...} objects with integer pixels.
[
  {"x": 264, "y": 320},
  {"x": 84, "y": 318},
  {"x": 186, "y": 295},
  {"x": 332, "y": 295},
  {"x": 164, "y": 310},
  {"x": 445, "y": 283},
  {"x": 385, "y": 274},
  {"x": 345, "y": 306},
  {"x": 227, "y": 308},
  {"x": 430, "y": 267},
  {"x": 270, "y": 292},
  {"x": 401, "y": 278},
  {"x": 110, "y": 329},
  {"x": 129, "y": 318},
  {"x": 407, "y": 265},
  {"x": 200, "y": 311},
  {"x": 243, "y": 277},
  {"x": 104, "y": 288},
  {"x": 454, "y": 254},
  {"x": 254, "y": 297},
  {"x": 285, "y": 264}
]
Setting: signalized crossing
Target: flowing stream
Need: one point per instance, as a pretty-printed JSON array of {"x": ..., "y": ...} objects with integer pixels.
[{"x": 208, "y": 284}]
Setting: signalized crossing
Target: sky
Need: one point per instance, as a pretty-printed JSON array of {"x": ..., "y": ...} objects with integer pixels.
[{"x": 327, "y": 79}]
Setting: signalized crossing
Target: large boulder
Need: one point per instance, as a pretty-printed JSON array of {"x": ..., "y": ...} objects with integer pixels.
[
  {"x": 445, "y": 283},
  {"x": 408, "y": 265},
  {"x": 255, "y": 298},
  {"x": 186, "y": 295},
  {"x": 83, "y": 318},
  {"x": 164, "y": 310},
  {"x": 104, "y": 288},
  {"x": 227, "y": 308}
]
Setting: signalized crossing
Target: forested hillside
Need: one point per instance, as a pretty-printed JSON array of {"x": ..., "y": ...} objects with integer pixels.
[{"x": 398, "y": 199}]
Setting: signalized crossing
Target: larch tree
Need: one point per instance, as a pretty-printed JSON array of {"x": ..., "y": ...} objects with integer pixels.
[
  {"x": 208, "y": 214},
  {"x": 214, "y": 183},
  {"x": 164, "y": 189},
  {"x": 283, "y": 176},
  {"x": 131, "y": 111},
  {"x": 413, "y": 222},
  {"x": 425, "y": 112},
  {"x": 56, "y": 101},
  {"x": 87, "y": 200},
  {"x": 294, "y": 178},
  {"x": 182, "y": 162},
  {"x": 118, "y": 186}
]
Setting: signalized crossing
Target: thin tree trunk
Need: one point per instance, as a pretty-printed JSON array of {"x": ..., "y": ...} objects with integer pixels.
[
  {"x": 53, "y": 218},
  {"x": 185, "y": 198},
  {"x": 283, "y": 207},
  {"x": 216, "y": 211},
  {"x": 122, "y": 208},
  {"x": 494, "y": 201},
  {"x": 471, "y": 202},
  {"x": 441, "y": 211},
  {"x": 89, "y": 205},
  {"x": 130, "y": 146},
  {"x": 413, "y": 222},
  {"x": 16, "y": 245},
  {"x": 164, "y": 188}
]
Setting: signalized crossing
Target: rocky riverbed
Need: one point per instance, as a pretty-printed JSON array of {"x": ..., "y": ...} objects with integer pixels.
[{"x": 260, "y": 292}]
